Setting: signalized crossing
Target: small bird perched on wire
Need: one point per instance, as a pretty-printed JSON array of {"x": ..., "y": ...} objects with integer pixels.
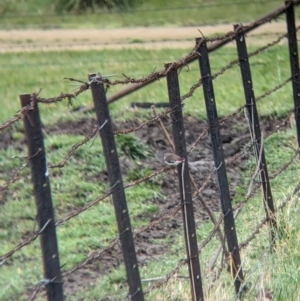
[{"x": 173, "y": 159}]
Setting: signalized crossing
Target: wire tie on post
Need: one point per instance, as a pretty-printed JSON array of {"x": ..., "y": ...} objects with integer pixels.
[
  {"x": 44, "y": 227},
  {"x": 48, "y": 281},
  {"x": 100, "y": 127},
  {"x": 127, "y": 229},
  {"x": 217, "y": 168},
  {"x": 130, "y": 296},
  {"x": 114, "y": 185}
]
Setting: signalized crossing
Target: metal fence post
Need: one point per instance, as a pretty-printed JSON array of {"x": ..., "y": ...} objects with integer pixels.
[
  {"x": 294, "y": 62},
  {"x": 185, "y": 186},
  {"x": 214, "y": 128},
  {"x": 116, "y": 184},
  {"x": 255, "y": 132},
  {"x": 43, "y": 200}
]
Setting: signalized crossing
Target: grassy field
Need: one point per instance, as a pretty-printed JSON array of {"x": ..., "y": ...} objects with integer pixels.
[
  {"x": 41, "y": 14},
  {"x": 80, "y": 180},
  {"x": 72, "y": 187},
  {"x": 27, "y": 73}
]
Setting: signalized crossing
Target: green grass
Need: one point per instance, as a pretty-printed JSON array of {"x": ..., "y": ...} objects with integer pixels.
[
  {"x": 80, "y": 182},
  {"x": 27, "y": 73},
  {"x": 72, "y": 187},
  {"x": 41, "y": 14}
]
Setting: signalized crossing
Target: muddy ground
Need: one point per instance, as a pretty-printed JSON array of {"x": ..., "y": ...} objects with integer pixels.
[{"x": 234, "y": 134}]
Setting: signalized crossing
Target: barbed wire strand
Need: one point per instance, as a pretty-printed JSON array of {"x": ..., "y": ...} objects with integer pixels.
[
  {"x": 177, "y": 65},
  {"x": 14, "y": 177},
  {"x": 238, "y": 208},
  {"x": 73, "y": 149},
  {"x": 134, "y": 183},
  {"x": 114, "y": 242},
  {"x": 184, "y": 261},
  {"x": 233, "y": 63},
  {"x": 257, "y": 230},
  {"x": 181, "y": 263},
  {"x": 89, "y": 205},
  {"x": 15, "y": 118}
]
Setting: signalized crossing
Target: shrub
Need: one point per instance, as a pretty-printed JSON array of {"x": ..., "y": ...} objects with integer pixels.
[{"x": 81, "y": 6}]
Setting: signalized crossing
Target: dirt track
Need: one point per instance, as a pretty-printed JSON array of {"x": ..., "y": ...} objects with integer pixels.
[{"x": 142, "y": 37}]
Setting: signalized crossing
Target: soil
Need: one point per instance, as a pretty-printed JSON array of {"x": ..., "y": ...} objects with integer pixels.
[{"x": 234, "y": 135}]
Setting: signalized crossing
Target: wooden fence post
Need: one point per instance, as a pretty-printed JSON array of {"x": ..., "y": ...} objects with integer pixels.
[
  {"x": 214, "y": 128},
  {"x": 43, "y": 200},
  {"x": 294, "y": 62},
  {"x": 185, "y": 186},
  {"x": 116, "y": 184},
  {"x": 255, "y": 132}
]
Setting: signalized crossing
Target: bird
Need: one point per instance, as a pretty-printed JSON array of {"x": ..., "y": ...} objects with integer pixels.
[{"x": 173, "y": 159}]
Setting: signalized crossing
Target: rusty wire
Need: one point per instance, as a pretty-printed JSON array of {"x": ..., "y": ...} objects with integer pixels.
[
  {"x": 14, "y": 177},
  {"x": 155, "y": 75},
  {"x": 14, "y": 119},
  {"x": 201, "y": 135},
  {"x": 283, "y": 204},
  {"x": 238, "y": 110},
  {"x": 185, "y": 60},
  {"x": 93, "y": 133},
  {"x": 77, "y": 212},
  {"x": 35, "y": 292},
  {"x": 182, "y": 262},
  {"x": 92, "y": 257},
  {"x": 134, "y": 183},
  {"x": 285, "y": 166},
  {"x": 82, "y": 209},
  {"x": 97, "y": 200},
  {"x": 27, "y": 241},
  {"x": 253, "y": 235},
  {"x": 115, "y": 241},
  {"x": 243, "y": 153},
  {"x": 24, "y": 243},
  {"x": 146, "y": 178},
  {"x": 136, "y": 128},
  {"x": 30, "y": 239},
  {"x": 137, "y": 182},
  {"x": 232, "y": 64},
  {"x": 175, "y": 65},
  {"x": 265, "y": 220},
  {"x": 73, "y": 149},
  {"x": 245, "y": 243},
  {"x": 241, "y": 204},
  {"x": 17, "y": 173},
  {"x": 63, "y": 96},
  {"x": 243, "y": 28},
  {"x": 158, "y": 221}
]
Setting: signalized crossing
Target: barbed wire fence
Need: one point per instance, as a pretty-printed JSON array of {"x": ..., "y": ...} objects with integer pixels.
[{"x": 53, "y": 280}]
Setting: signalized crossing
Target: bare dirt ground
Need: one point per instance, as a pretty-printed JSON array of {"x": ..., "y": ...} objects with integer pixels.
[{"x": 141, "y": 37}]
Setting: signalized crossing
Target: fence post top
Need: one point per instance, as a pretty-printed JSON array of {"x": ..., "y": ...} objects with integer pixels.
[{"x": 90, "y": 75}]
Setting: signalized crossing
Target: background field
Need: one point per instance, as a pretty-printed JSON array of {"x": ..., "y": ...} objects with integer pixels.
[
  {"x": 42, "y": 14},
  {"x": 82, "y": 179}
]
